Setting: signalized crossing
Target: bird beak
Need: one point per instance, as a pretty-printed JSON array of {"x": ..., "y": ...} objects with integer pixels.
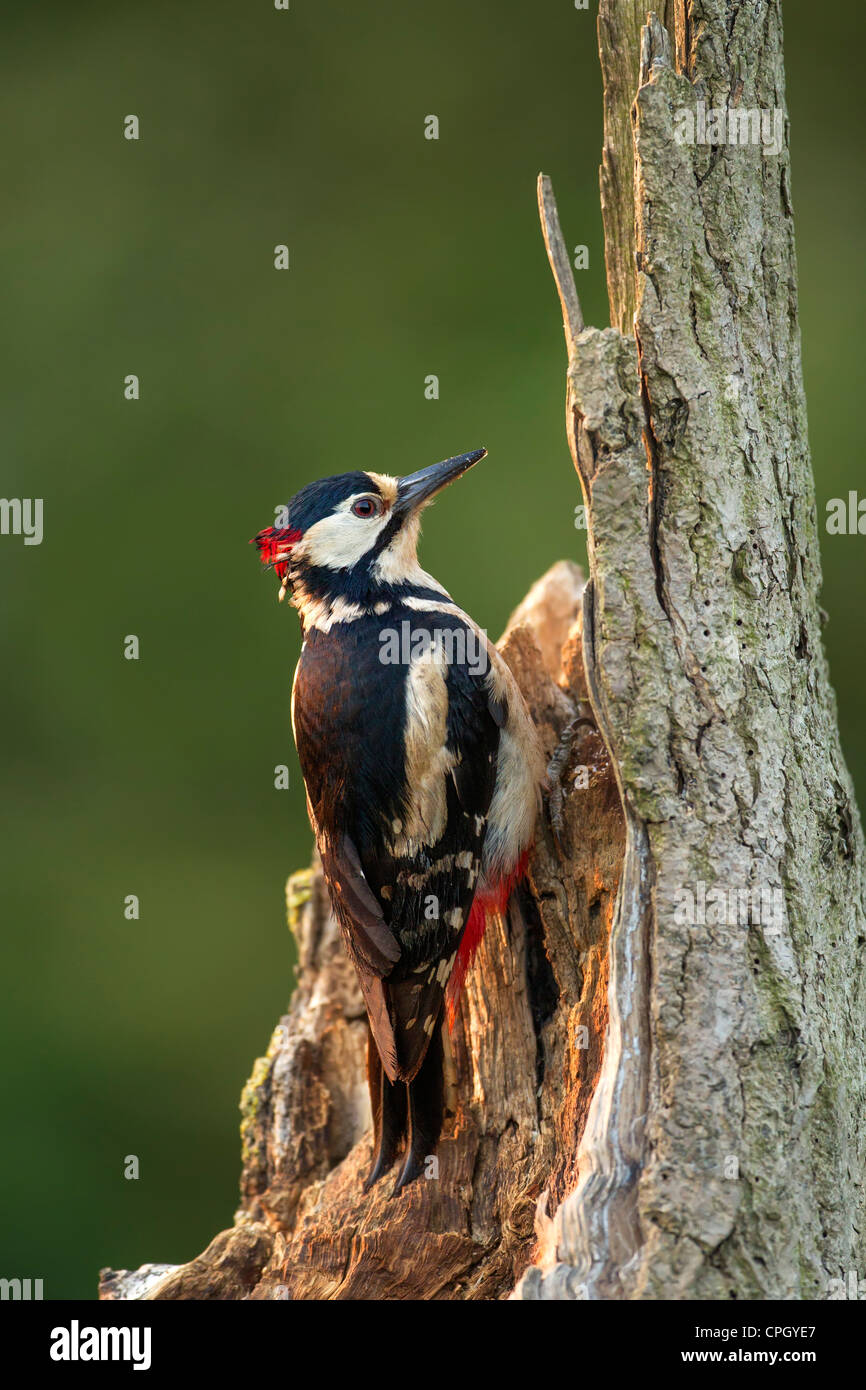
[{"x": 417, "y": 489}]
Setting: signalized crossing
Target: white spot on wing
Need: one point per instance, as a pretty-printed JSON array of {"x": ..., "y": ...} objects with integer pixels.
[{"x": 444, "y": 970}]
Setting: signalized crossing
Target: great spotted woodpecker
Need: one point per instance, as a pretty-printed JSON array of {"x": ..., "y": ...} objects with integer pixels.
[{"x": 422, "y": 769}]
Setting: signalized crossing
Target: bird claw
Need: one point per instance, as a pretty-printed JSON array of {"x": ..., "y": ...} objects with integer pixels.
[
  {"x": 408, "y": 1173},
  {"x": 556, "y": 767}
]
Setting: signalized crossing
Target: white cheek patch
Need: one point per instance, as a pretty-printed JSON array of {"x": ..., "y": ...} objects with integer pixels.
[{"x": 339, "y": 541}]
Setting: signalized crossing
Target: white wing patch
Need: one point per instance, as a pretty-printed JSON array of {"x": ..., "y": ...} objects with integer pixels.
[{"x": 428, "y": 761}]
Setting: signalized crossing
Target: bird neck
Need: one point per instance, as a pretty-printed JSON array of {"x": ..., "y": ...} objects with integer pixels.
[{"x": 324, "y": 597}]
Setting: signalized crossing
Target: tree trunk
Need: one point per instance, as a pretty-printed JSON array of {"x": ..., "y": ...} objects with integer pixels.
[{"x": 660, "y": 1057}]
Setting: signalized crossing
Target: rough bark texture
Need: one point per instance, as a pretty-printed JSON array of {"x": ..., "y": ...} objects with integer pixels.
[
  {"x": 724, "y": 1152},
  {"x": 705, "y": 1137},
  {"x": 527, "y": 1051}
]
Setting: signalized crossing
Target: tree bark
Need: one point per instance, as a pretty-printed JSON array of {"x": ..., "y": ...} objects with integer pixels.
[
  {"x": 660, "y": 1060},
  {"x": 723, "y": 1155}
]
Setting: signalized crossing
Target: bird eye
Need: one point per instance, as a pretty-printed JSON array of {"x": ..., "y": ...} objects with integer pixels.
[{"x": 367, "y": 506}]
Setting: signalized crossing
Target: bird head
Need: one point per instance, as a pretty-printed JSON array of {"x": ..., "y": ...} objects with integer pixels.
[{"x": 352, "y": 534}]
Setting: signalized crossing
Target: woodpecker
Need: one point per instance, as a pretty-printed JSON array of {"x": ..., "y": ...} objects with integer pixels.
[{"x": 422, "y": 770}]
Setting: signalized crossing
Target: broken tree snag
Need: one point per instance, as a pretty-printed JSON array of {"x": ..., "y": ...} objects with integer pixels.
[
  {"x": 527, "y": 1052},
  {"x": 723, "y": 1156},
  {"x": 604, "y": 419},
  {"x": 619, "y": 28}
]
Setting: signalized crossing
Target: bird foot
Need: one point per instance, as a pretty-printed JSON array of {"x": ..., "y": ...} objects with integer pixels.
[
  {"x": 379, "y": 1169},
  {"x": 412, "y": 1168},
  {"x": 556, "y": 767}
]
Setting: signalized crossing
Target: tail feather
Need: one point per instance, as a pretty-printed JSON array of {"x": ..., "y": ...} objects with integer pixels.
[
  {"x": 426, "y": 1104},
  {"x": 406, "y": 1111},
  {"x": 388, "y": 1103}
]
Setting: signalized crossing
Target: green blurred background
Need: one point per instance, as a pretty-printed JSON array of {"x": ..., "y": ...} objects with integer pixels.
[{"x": 408, "y": 257}]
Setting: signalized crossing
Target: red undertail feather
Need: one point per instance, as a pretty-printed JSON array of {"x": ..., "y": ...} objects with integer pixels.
[{"x": 484, "y": 905}]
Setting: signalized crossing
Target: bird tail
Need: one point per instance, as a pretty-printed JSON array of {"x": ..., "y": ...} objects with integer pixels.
[{"x": 409, "y": 1112}]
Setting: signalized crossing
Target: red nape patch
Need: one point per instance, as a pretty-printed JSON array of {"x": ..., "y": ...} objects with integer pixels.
[
  {"x": 274, "y": 545},
  {"x": 483, "y": 906}
]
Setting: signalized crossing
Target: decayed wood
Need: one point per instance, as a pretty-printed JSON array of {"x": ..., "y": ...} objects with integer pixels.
[{"x": 527, "y": 1051}]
